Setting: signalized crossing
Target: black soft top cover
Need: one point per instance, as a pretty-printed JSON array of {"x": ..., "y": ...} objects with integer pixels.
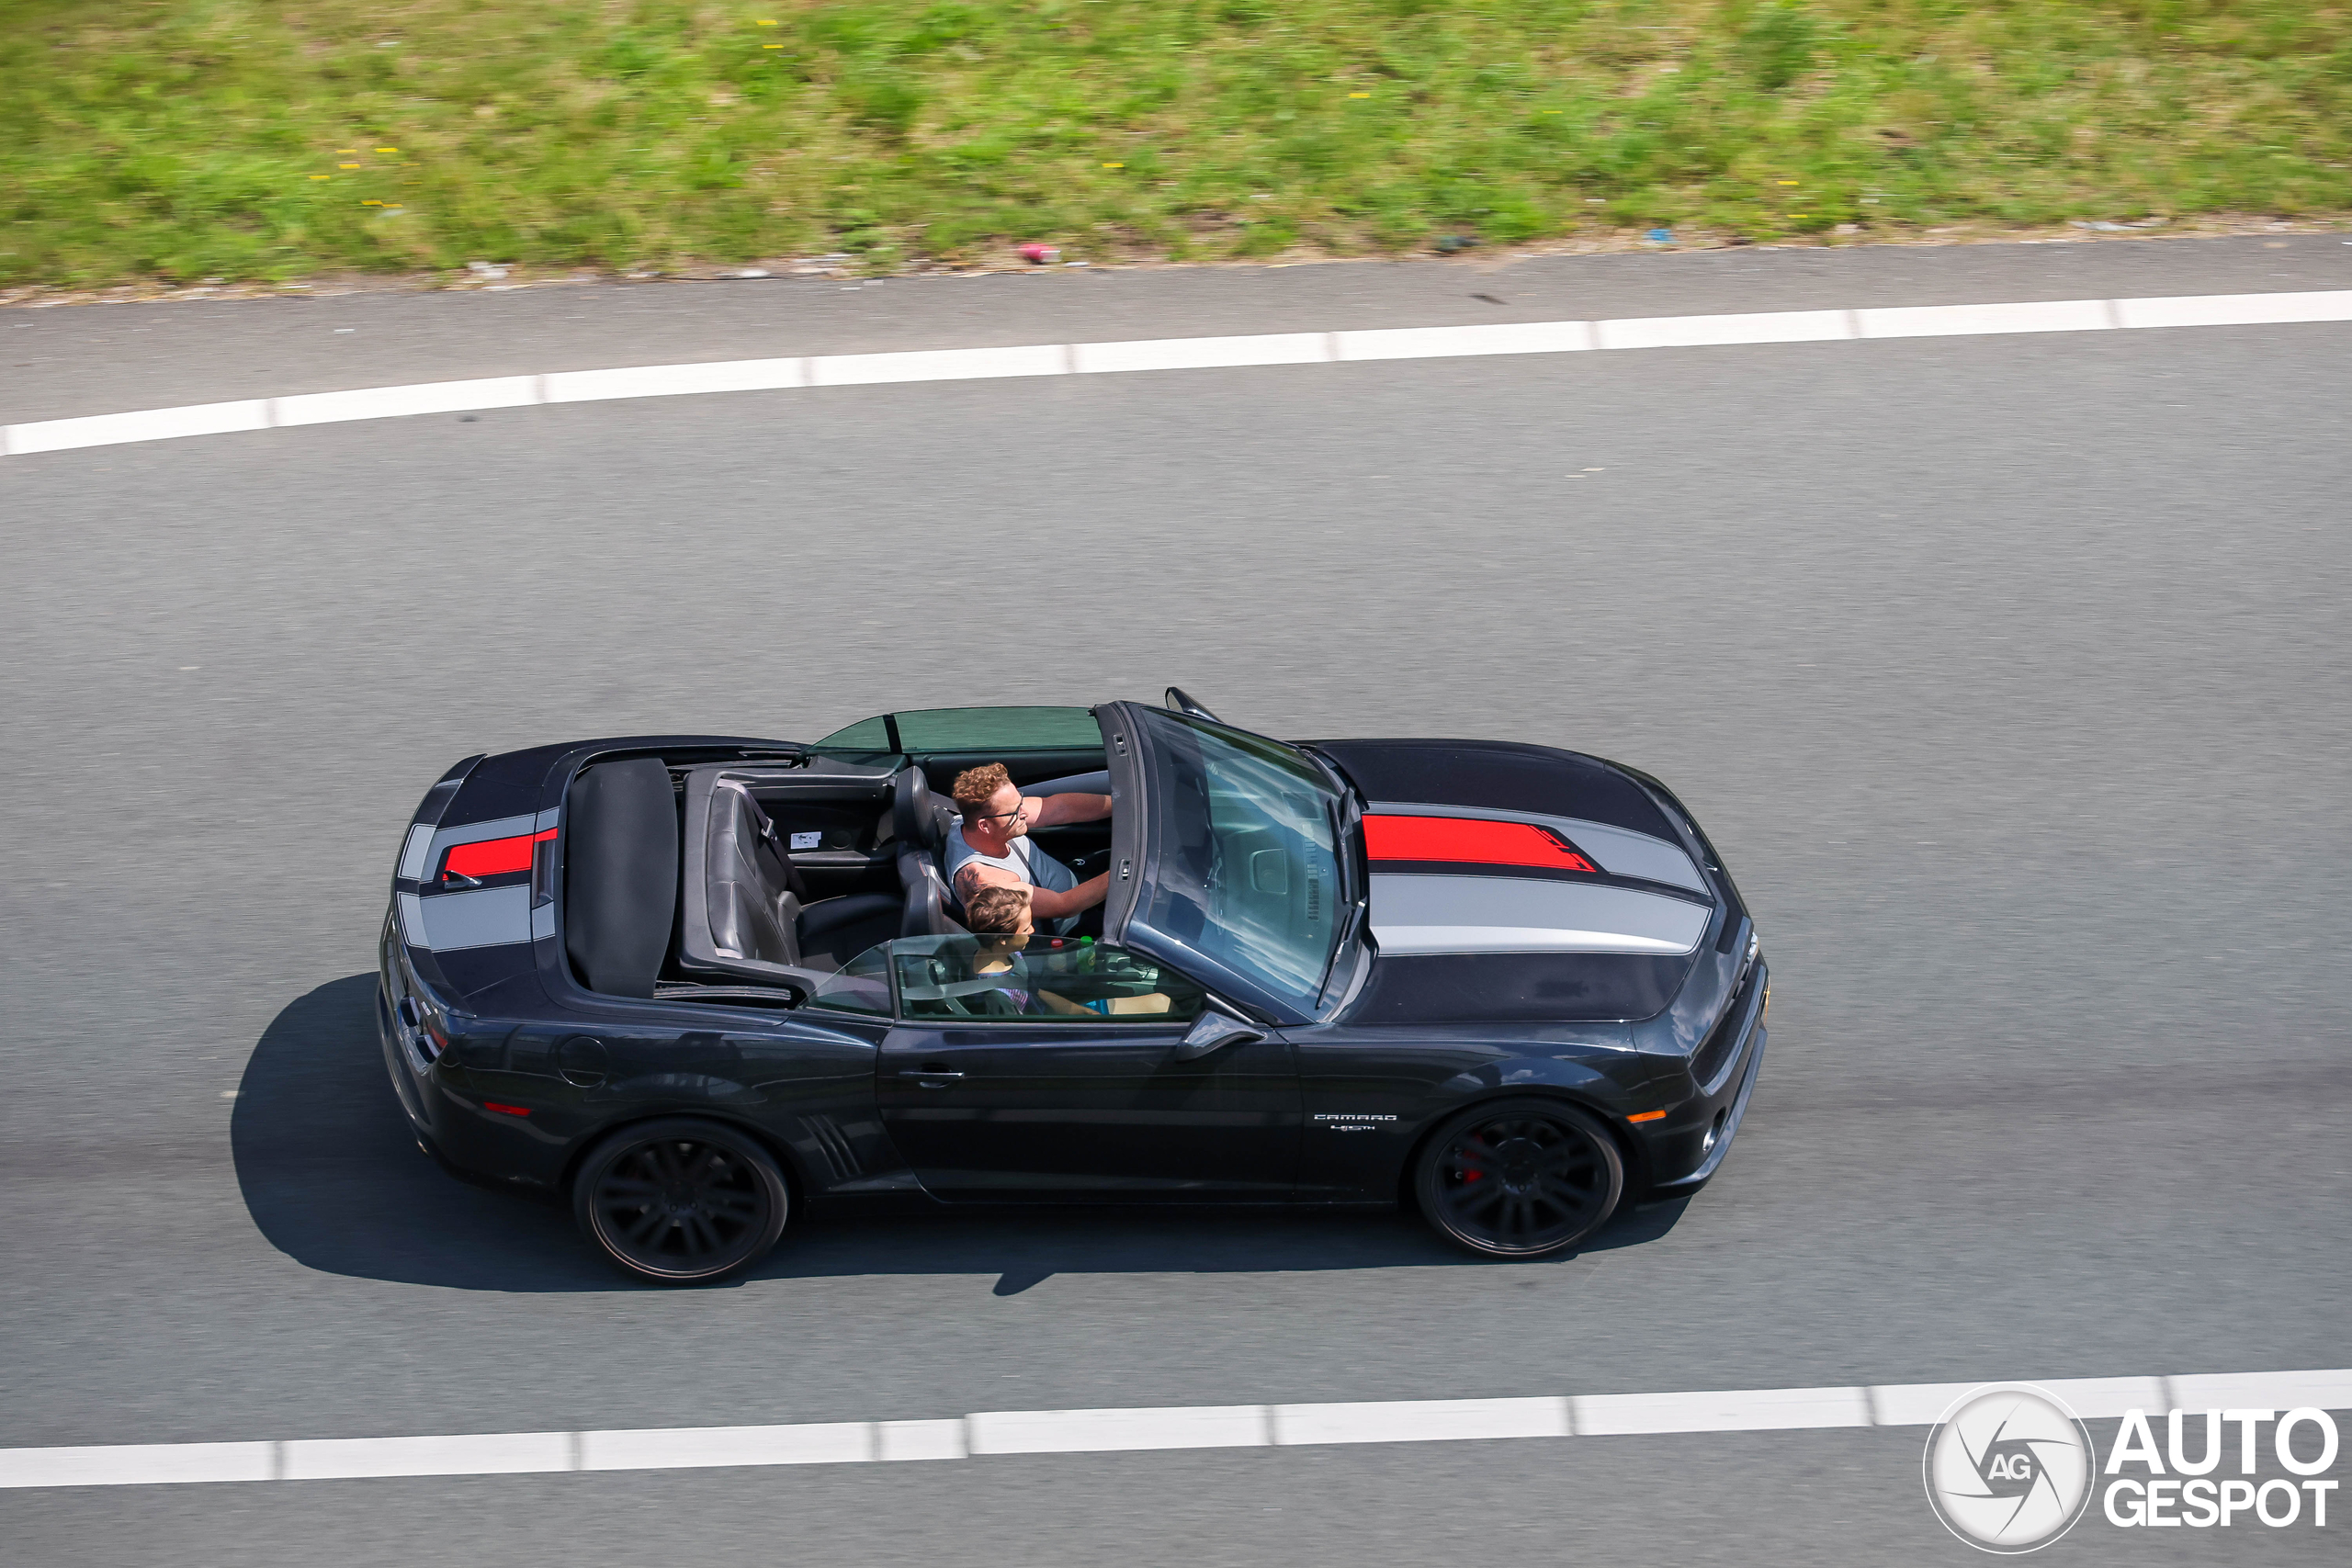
[{"x": 620, "y": 879}]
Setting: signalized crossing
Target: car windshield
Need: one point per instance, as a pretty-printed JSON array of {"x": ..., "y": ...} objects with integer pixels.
[{"x": 1247, "y": 838}]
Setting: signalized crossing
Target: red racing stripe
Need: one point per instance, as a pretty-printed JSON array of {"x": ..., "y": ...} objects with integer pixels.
[
  {"x": 1470, "y": 840},
  {"x": 494, "y": 857}
]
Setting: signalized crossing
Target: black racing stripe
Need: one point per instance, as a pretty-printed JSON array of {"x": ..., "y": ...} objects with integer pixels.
[
  {"x": 1518, "y": 988},
  {"x": 1499, "y": 776}
]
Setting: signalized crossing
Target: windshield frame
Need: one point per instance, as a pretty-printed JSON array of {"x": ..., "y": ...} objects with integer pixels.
[{"x": 1142, "y": 775}]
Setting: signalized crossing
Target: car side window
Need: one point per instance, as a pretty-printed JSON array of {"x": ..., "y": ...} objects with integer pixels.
[
  {"x": 974, "y": 979},
  {"x": 861, "y": 985}
]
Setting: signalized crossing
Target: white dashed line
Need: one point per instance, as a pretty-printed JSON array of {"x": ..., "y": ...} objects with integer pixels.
[
  {"x": 1128, "y": 1432},
  {"x": 1173, "y": 353}
]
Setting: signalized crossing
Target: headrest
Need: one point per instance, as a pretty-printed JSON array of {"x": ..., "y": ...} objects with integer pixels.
[{"x": 917, "y": 815}]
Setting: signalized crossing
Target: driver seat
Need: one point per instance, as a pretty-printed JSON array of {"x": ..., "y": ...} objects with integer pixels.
[{"x": 919, "y": 823}]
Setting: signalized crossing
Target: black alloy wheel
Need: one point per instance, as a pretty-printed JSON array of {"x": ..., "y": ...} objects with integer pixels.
[
  {"x": 681, "y": 1203},
  {"x": 1520, "y": 1179}
]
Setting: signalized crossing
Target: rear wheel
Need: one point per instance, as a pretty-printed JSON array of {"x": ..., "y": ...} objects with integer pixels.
[
  {"x": 1520, "y": 1179},
  {"x": 681, "y": 1201}
]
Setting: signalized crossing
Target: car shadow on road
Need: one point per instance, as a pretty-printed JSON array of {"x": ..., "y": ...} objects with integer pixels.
[{"x": 334, "y": 1180}]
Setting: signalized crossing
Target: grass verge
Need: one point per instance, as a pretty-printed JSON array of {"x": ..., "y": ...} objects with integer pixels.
[{"x": 179, "y": 139}]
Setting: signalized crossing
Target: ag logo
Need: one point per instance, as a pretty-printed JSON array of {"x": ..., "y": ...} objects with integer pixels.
[{"x": 2009, "y": 1468}]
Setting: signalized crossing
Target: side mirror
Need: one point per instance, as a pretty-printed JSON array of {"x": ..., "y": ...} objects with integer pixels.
[
  {"x": 1214, "y": 1031},
  {"x": 1183, "y": 701}
]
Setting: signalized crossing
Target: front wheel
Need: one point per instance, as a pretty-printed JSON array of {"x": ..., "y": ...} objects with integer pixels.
[
  {"x": 1520, "y": 1179},
  {"x": 679, "y": 1201}
]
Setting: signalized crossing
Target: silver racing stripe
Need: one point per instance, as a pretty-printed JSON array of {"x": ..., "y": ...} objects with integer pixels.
[
  {"x": 1413, "y": 914},
  {"x": 487, "y": 917},
  {"x": 1620, "y": 851}
]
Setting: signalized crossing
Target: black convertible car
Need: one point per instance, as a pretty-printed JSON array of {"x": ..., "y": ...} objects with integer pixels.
[{"x": 689, "y": 982}]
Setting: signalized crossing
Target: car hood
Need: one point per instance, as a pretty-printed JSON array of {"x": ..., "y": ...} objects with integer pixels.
[{"x": 1519, "y": 883}]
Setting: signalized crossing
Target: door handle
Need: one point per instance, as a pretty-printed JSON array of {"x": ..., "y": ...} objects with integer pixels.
[{"x": 927, "y": 1078}]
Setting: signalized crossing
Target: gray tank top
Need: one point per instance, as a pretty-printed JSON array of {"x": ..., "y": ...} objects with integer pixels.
[{"x": 1025, "y": 861}]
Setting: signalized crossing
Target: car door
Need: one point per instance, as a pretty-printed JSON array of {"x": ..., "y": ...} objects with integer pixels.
[{"x": 993, "y": 1093}]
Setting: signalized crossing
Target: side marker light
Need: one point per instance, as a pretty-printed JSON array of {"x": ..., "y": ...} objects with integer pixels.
[
  {"x": 1647, "y": 1116},
  {"x": 505, "y": 1109}
]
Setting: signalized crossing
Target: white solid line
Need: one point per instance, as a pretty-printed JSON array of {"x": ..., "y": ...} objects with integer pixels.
[
  {"x": 1709, "y": 331},
  {"x": 2255, "y": 1391},
  {"x": 1965, "y": 320},
  {"x": 138, "y": 1464},
  {"x": 2095, "y": 1399},
  {"x": 1202, "y": 352},
  {"x": 1174, "y": 353},
  {"x": 1451, "y": 342},
  {"x": 674, "y": 380},
  {"x": 480, "y": 1453},
  {"x": 1421, "y": 1421},
  {"x": 394, "y": 402},
  {"x": 688, "y": 1448},
  {"x": 2236, "y": 309},
  {"x": 153, "y": 424},
  {"x": 1743, "y": 1410},
  {"x": 1115, "y": 1431},
  {"x": 919, "y": 1439},
  {"x": 1130, "y": 1430},
  {"x": 935, "y": 365}
]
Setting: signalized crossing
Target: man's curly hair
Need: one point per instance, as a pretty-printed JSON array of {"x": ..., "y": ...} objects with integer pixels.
[{"x": 975, "y": 786}]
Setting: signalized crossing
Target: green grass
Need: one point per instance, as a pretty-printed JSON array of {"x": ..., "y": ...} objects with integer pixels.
[{"x": 181, "y": 139}]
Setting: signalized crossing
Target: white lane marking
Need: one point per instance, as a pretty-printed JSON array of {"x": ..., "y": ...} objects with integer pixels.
[
  {"x": 1115, "y": 1431},
  {"x": 1202, "y": 353},
  {"x": 1710, "y": 331},
  {"x": 675, "y": 380},
  {"x": 1175, "y": 353},
  {"x": 920, "y": 1440},
  {"x": 395, "y": 403},
  {"x": 1743, "y": 1410},
  {"x": 1421, "y": 1421},
  {"x": 479, "y": 1453},
  {"x": 138, "y": 1464},
  {"x": 1967, "y": 320},
  {"x": 935, "y": 365},
  {"x": 1453, "y": 342},
  {"x": 693, "y": 1447},
  {"x": 2236, "y": 309},
  {"x": 154, "y": 425}
]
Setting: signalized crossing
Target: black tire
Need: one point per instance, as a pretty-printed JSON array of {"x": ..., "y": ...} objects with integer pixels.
[
  {"x": 1519, "y": 1178},
  {"x": 679, "y": 1201}
]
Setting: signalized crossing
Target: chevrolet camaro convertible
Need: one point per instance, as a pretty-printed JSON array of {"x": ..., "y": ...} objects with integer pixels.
[{"x": 689, "y": 984}]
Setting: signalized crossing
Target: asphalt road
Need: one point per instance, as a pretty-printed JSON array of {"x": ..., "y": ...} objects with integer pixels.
[{"x": 2008, "y": 672}]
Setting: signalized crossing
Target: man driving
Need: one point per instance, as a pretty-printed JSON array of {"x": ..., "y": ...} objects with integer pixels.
[{"x": 988, "y": 845}]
